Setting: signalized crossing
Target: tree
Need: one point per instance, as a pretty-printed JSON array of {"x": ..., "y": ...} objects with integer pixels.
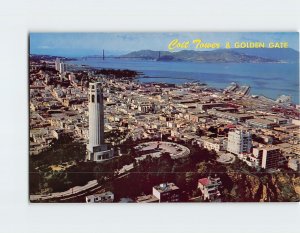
[
  {"x": 191, "y": 179},
  {"x": 213, "y": 129},
  {"x": 200, "y": 132}
]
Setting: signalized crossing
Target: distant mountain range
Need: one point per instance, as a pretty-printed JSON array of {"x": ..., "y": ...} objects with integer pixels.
[
  {"x": 220, "y": 55},
  {"x": 284, "y": 55}
]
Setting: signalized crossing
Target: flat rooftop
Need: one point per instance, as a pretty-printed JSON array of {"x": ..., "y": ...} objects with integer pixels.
[
  {"x": 165, "y": 187},
  {"x": 261, "y": 121}
]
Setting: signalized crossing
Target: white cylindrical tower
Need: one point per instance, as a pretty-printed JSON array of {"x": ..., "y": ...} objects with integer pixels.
[
  {"x": 96, "y": 148},
  {"x": 96, "y": 115}
]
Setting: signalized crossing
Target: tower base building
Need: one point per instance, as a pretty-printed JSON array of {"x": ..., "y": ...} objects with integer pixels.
[{"x": 99, "y": 153}]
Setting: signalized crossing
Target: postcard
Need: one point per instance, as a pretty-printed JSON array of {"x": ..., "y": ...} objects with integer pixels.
[{"x": 164, "y": 117}]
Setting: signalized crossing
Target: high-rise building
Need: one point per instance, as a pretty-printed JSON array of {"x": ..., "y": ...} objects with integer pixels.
[
  {"x": 96, "y": 149},
  {"x": 239, "y": 142},
  {"x": 57, "y": 62},
  {"x": 71, "y": 77},
  {"x": 267, "y": 157},
  {"x": 62, "y": 67}
]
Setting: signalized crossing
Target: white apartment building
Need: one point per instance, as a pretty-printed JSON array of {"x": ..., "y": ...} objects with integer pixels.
[
  {"x": 210, "y": 187},
  {"x": 216, "y": 144},
  {"x": 239, "y": 142},
  {"x": 62, "y": 67},
  {"x": 57, "y": 61}
]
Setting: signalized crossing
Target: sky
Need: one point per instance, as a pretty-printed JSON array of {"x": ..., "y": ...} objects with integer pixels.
[{"x": 85, "y": 44}]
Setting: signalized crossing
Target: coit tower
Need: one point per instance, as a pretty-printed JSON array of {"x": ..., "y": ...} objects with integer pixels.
[{"x": 96, "y": 149}]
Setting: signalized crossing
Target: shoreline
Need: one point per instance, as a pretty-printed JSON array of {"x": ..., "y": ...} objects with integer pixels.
[
  {"x": 142, "y": 77},
  {"x": 139, "y": 77}
]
